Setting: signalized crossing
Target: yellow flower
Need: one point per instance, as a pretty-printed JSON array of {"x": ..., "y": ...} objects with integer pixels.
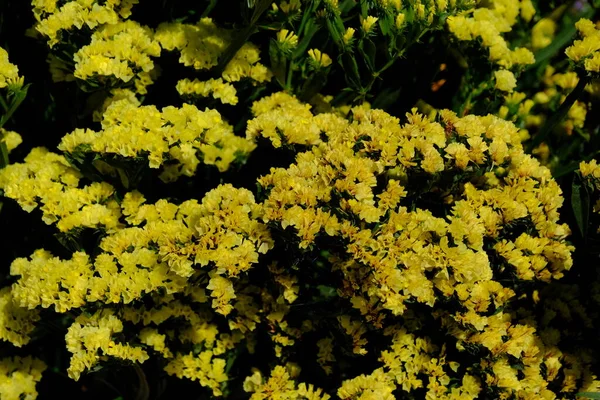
[
  {"x": 585, "y": 52},
  {"x": 217, "y": 88},
  {"x": 322, "y": 60},
  {"x": 8, "y": 72},
  {"x": 204, "y": 367},
  {"x": 287, "y": 38},
  {"x": 400, "y": 18},
  {"x": 19, "y": 376},
  {"x": 348, "y": 35},
  {"x": 505, "y": 80},
  {"x": 16, "y": 323},
  {"x": 367, "y": 23},
  {"x": 88, "y": 336},
  {"x": 542, "y": 33}
]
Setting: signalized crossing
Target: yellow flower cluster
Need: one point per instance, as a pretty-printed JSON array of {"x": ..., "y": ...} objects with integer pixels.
[
  {"x": 121, "y": 51},
  {"x": 585, "y": 52},
  {"x": 284, "y": 120},
  {"x": 542, "y": 33},
  {"x": 196, "y": 328},
  {"x": 530, "y": 113},
  {"x": 422, "y": 249},
  {"x": 505, "y": 80},
  {"x": 217, "y": 88},
  {"x": 8, "y": 72},
  {"x": 16, "y": 323},
  {"x": 221, "y": 231},
  {"x": 280, "y": 385},
  {"x": 418, "y": 11},
  {"x": 409, "y": 358},
  {"x": 10, "y": 138},
  {"x": 47, "y": 180},
  {"x": 590, "y": 170},
  {"x": 113, "y": 278},
  {"x": 489, "y": 25},
  {"x": 116, "y": 95},
  {"x": 18, "y": 377},
  {"x": 185, "y": 135},
  {"x": 201, "y": 45},
  {"x": 91, "y": 339},
  {"x": 55, "y": 18},
  {"x": 566, "y": 310},
  {"x": 209, "y": 371},
  {"x": 320, "y": 59},
  {"x": 163, "y": 253},
  {"x": 352, "y": 186}
]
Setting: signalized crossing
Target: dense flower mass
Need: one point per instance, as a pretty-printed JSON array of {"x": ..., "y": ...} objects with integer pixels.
[
  {"x": 586, "y": 51},
  {"x": 177, "y": 139},
  {"x": 302, "y": 200},
  {"x": 8, "y": 72}
]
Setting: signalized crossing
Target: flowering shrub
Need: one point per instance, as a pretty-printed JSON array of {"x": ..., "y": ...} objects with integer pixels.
[{"x": 292, "y": 199}]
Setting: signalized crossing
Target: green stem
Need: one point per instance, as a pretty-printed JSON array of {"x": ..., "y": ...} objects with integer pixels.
[
  {"x": 209, "y": 8},
  {"x": 562, "y": 39},
  {"x": 3, "y": 103},
  {"x": 10, "y": 110},
  {"x": 144, "y": 389},
  {"x": 3, "y": 154},
  {"x": 567, "y": 169},
  {"x": 241, "y": 39},
  {"x": 290, "y": 73},
  {"x": 376, "y": 74},
  {"x": 560, "y": 114}
]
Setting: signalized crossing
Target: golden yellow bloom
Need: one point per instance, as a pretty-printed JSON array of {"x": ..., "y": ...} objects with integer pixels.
[
  {"x": 120, "y": 50},
  {"x": 19, "y": 376},
  {"x": 488, "y": 24},
  {"x": 505, "y": 80},
  {"x": 53, "y": 19},
  {"x": 90, "y": 339},
  {"x": 201, "y": 45},
  {"x": 590, "y": 169},
  {"x": 542, "y": 33},
  {"x": 204, "y": 367},
  {"x": 217, "y": 88},
  {"x": 585, "y": 52},
  {"x": 11, "y": 139},
  {"x": 367, "y": 23},
  {"x": 400, "y": 18},
  {"x": 8, "y": 72},
  {"x": 287, "y": 38},
  {"x": 47, "y": 180},
  {"x": 321, "y": 59},
  {"x": 349, "y": 35},
  {"x": 130, "y": 130},
  {"x": 280, "y": 386},
  {"x": 16, "y": 323}
]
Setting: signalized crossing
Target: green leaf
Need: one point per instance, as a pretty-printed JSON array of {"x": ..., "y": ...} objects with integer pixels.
[
  {"x": 561, "y": 40},
  {"x": 368, "y": 50},
  {"x": 278, "y": 63},
  {"x": 580, "y": 203},
  {"x": 124, "y": 178},
  {"x": 327, "y": 291},
  {"x": 351, "y": 70},
  {"x": 335, "y": 25},
  {"x": 386, "y": 98},
  {"x": 386, "y": 24},
  {"x": 560, "y": 114},
  {"x": 589, "y": 395},
  {"x": 310, "y": 29}
]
